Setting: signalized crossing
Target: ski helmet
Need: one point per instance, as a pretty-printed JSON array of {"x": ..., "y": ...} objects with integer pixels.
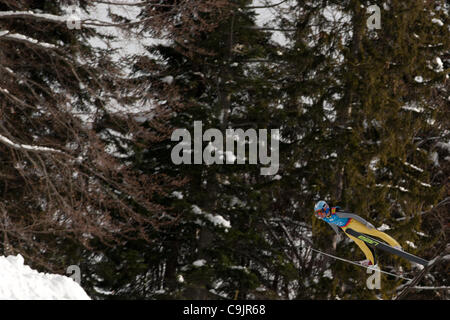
[{"x": 321, "y": 209}]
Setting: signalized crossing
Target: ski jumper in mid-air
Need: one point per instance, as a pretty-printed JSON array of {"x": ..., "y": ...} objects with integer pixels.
[{"x": 336, "y": 218}]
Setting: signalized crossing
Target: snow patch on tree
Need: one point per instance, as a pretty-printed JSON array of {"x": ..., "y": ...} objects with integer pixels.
[
  {"x": 217, "y": 219},
  {"x": 199, "y": 263}
]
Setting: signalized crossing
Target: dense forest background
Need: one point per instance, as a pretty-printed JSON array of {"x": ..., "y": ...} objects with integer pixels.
[{"x": 91, "y": 91}]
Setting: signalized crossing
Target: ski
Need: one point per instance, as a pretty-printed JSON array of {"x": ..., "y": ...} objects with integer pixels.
[
  {"x": 360, "y": 265},
  {"x": 383, "y": 246}
]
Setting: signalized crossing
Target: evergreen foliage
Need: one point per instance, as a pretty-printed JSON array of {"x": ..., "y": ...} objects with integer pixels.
[{"x": 363, "y": 119}]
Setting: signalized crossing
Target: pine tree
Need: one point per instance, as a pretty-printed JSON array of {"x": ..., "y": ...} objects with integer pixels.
[{"x": 219, "y": 80}]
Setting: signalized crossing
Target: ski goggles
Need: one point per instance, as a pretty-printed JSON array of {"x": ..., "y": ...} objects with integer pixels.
[{"x": 322, "y": 213}]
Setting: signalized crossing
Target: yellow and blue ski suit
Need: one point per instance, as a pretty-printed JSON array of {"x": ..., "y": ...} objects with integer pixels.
[{"x": 345, "y": 220}]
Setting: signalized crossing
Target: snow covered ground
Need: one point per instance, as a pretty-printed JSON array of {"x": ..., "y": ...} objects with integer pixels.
[{"x": 20, "y": 282}]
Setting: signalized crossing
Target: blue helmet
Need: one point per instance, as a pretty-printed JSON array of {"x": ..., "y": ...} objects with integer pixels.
[{"x": 321, "y": 209}]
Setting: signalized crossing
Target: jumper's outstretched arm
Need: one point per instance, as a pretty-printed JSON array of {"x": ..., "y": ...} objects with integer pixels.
[{"x": 356, "y": 217}]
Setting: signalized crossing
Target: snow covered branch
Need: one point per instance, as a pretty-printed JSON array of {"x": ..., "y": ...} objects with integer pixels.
[
  {"x": 217, "y": 219},
  {"x": 431, "y": 288},
  {"x": 24, "y": 39},
  {"x": 26, "y": 147},
  {"x": 32, "y": 15},
  {"x": 64, "y": 19},
  {"x": 116, "y": 3},
  {"x": 267, "y": 5},
  {"x": 272, "y": 29}
]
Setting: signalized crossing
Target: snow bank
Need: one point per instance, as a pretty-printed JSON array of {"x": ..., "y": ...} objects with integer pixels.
[{"x": 20, "y": 282}]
